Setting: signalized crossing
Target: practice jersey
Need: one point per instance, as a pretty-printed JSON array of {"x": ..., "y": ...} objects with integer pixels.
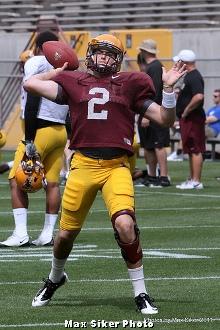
[
  {"x": 103, "y": 109},
  {"x": 48, "y": 110}
]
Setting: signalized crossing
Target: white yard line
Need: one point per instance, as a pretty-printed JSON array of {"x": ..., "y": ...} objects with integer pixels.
[
  {"x": 153, "y": 192},
  {"x": 201, "y": 278},
  {"x": 141, "y": 227},
  {"x": 94, "y": 253},
  {"x": 175, "y": 209}
]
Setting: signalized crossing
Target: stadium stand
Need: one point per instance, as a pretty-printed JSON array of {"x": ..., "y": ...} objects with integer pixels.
[{"x": 109, "y": 14}]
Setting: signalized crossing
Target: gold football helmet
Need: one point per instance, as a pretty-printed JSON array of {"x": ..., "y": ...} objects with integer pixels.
[
  {"x": 30, "y": 176},
  {"x": 2, "y": 138},
  {"x": 25, "y": 55},
  {"x": 109, "y": 43}
]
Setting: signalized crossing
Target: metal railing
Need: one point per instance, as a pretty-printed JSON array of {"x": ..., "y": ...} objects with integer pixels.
[{"x": 10, "y": 93}]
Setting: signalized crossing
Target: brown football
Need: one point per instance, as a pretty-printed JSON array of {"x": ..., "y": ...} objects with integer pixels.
[{"x": 58, "y": 52}]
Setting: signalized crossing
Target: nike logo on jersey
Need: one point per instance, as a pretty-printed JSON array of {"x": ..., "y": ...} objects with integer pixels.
[{"x": 113, "y": 77}]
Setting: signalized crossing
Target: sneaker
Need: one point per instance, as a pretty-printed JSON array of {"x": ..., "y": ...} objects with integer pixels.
[
  {"x": 45, "y": 294},
  {"x": 4, "y": 168},
  {"x": 138, "y": 183},
  {"x": 145, "y": 304},
  {"x": 152, "y": 182},
  {"x": 138, "y": 173},
  {"x": 15, "y": 240},
  {"x": 140, "y": 177},
  {"x": 41, "y": 242},
  {"x": 174, "y": 157},
  {"x": 183, "y": 184},
  {"x": 164, "y": 181},
  {"x": 190, "y": 184}
]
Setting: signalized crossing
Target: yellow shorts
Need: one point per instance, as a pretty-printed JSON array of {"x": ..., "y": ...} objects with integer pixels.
[
  {"x": 50, "y": 143},
  {"x": 88, "y": 176}
]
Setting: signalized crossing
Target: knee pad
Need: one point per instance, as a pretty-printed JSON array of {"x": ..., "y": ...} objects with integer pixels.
[{"x": 131, "y": 252}]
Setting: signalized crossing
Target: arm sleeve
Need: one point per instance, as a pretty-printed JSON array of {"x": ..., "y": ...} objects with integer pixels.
[
  {"x": 61, "y": 97},
  {"x": 30, "y": 116}
]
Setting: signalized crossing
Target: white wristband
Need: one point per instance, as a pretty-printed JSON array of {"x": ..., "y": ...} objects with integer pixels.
[{"x": 169, "y": 100}]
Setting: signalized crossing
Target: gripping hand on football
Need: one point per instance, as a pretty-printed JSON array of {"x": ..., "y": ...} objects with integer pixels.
[{"x": 30, "y": 150}]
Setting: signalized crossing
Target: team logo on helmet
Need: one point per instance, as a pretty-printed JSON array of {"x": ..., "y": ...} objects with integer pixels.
[{"x": 30, "y": 176}]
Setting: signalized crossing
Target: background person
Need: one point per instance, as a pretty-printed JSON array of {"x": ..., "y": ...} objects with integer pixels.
[
  {"x": 212, "y": 128},
  {"x": 45, "y": 125},
  {"x": 153, "y": 137},
  {"x": 191, "y": 118},
  {"x": 24, "y": 56}
]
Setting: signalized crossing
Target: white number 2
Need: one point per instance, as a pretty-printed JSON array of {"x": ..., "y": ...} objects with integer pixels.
[{"x": 103, "y": 114}]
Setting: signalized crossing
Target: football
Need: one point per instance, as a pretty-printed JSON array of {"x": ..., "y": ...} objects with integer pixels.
[{"x": 58, "y": 52}]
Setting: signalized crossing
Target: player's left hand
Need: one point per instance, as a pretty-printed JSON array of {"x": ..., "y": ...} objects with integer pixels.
[{"x": 174, "y": 74}]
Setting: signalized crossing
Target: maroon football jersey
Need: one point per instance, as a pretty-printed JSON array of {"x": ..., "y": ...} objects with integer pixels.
[{"x": 102, "y": 109}]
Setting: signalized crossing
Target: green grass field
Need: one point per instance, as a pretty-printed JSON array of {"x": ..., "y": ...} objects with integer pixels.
[{"x": 180, "y": 232}]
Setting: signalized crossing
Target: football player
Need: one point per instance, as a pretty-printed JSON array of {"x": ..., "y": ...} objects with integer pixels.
[
  {"x": 4, "y": 167},
  {"x": 103, "y": 103},
  {"x": 45, "y": 125},
  {"x": 24, "y": 56}
]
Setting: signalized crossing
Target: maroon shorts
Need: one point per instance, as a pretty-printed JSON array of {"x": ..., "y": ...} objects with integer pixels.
[{"x": 193, "y": 134}]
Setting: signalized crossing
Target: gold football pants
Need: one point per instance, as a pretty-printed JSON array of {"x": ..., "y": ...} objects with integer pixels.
[{"x": 88, "y": 176}]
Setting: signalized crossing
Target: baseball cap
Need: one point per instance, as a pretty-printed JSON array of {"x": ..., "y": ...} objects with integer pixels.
[
  {"x": 149, "y": 45},
  {"x": 185, "y": 55}
]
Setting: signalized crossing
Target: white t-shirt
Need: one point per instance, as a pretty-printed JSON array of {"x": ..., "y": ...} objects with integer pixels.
[{"x": 48, "y": 110}]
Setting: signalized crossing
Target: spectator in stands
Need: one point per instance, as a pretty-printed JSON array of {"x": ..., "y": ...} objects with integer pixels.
[
  {"x": 192, "y": 118},
  {"x": 212, "y": 128},
  {"x": 103, "y": 106},
  {"x": 45, "y": 125},
  {"x": 153, "y": 138}
]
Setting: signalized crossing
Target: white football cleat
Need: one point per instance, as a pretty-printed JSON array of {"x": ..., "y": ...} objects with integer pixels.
[
  {"x": 45, "y": 294},
  {"x": 15, "y": 240},
  {"x": 145, "y": 304}
]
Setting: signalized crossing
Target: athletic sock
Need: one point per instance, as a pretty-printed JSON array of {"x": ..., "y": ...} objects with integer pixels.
[
  {"x": 137, "y": 277},
  {"x": 49, "y": 224},
  {"x": 57, "y": 269},
  {"x": 20, "y": 218},
  {"x": 10, "y": 164}
]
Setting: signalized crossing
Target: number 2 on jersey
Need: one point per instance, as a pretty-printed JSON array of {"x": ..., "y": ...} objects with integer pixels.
[{"x": 103, "y": 114}]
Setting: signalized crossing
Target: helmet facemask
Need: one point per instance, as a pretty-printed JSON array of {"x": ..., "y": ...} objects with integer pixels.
[{"x": 113, "y": 51}]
